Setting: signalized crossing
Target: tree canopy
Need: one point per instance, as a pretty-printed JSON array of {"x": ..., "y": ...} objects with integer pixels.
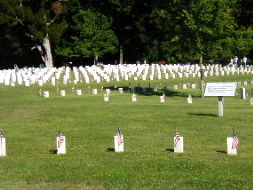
[{"x": 57, "y": 31}]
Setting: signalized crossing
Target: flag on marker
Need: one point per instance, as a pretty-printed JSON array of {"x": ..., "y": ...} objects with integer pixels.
[
  {"x": 235, "y": 141},
  {"x": 119, "y": 137},
  {"x": 177, "y": 139}
]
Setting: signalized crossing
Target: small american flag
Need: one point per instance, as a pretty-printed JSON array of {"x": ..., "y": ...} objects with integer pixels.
[
  {"x": 235, "y": 141},
  {"x": 60, "y": 141},
  {"x": 177, "y": 139},
  {"x": 119, "y": 137}
]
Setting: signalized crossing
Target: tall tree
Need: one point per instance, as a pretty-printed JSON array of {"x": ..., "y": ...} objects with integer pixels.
[
  {"x": 39, "y": 22},
  {"x": 90, "y": 36}
]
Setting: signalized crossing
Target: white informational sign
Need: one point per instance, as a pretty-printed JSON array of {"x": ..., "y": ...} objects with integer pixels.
[
  {"x": 220, "y": 89},
  {"x": 61, "y": 144}
]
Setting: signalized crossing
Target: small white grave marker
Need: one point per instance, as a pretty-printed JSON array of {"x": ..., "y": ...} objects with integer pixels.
[
  {"x": 63, "y": 93},
  {"x": 60, "y": 144},
  {"x": 106, "y": 97},
  {"x": 189, "y": 99},
  {"x": 79, "y": 92},
  {"x": 243, "y": 93},
  {"x": 94, "y": 91},
  {"x": 108, "y": 91},
  {"x": 232, "y": 144},
  {"x": 27, "y": 83},
  {"x": 40, "y": 82},
  {"x": 134, "y": 98},
  {"x": 119, "y": 142},
  {"x": 251, "y": 101},
  {"x": 162, "y": 98},
  {"x": 178, "y": 143},
  {"x": 120, "y": 90},
  {"x": 46, "y": 94},
  {"x": 2, "y": 145}
]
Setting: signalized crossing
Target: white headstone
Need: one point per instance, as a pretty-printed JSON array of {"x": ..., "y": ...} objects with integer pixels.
[
  {"x": 94, "y": 91},
  {"x": 251, "y": 101},
  {"x": 120, "y": 90},
  {"x": 119, "y": 143},
  {"x": 108, "y": 91},
  {"x": 61, "y": 144},
  {"x": 243, "y": 93},
  {"x": 106, "y": 97},
  {"x": 230, "y": 149},
  {"x": 134, "y": 98},
  {"x": 46, "y": 94},
  {"x": 178, "y": 144},
  {"x": 63, "y": 93},
  {"x": 40, "y": 82},
  {"x": 2, "y": 146},
  {"x": 79, "y": 92},
  {"x": 184, "y": 86},
  {"x": 193, "y": 86},
  {"x": 189, "y": 99},
  {"x": 27, "y": 83},
  {"x": 162, "y": 99},
  {"x": 53, "y": 81}
]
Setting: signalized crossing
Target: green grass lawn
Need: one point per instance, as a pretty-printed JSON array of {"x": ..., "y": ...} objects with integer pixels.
[{"x": 30, "y": 124}]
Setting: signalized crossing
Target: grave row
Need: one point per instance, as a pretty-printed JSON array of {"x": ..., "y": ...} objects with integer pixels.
[
  {"x": 178, "y": 141},
  {"x": 107, "y": 73}
]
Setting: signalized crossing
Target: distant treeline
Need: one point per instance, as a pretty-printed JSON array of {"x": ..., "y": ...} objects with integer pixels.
[{"x": 59, "y": 32}]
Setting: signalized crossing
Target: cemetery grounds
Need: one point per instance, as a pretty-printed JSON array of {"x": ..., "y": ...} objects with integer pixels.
[{"x": 30, "y": 124}]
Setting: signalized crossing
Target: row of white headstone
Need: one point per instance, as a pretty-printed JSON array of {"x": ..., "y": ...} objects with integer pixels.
[
  {"x": 107, "y": 96},
  {"x": 119, "y": 144},
  {"x": 40, "y": 76}
]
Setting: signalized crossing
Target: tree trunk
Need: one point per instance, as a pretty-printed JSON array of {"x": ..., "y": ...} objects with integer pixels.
[
  {"x": 201, "y": 60},
  {"x": 121, "y": 55},
  {"x": 48, "y": 58}
]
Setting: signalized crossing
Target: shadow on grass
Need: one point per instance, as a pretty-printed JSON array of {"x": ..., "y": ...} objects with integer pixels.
[
  {"x": 110, "y": 149},
  {"x": 221, "y": 151},
  {"x": 53, "y": 151},
  {"x": 203, "y": 114},
  {"x": 169, "y": 149},
  {"x": 149, "y": 91}
]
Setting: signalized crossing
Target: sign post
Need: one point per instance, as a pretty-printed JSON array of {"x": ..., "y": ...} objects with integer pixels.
[
  {"x": 220, "y": 105},
  {"x": 220, "y": 90}
]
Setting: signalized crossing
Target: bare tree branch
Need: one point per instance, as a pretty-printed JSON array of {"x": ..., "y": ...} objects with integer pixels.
[
  {"x": 41, "y": 52},
  {"x": 29, "y": 35},
  {"x": 53, "y": 20}
]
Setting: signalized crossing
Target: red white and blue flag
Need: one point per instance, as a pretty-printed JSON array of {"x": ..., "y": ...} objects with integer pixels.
[
  {"x": 235, "y": 141},
  {"x": 177, "y": 139},
  {"x": 60, "y": 141},
  {"x": 119, "y": 137}
]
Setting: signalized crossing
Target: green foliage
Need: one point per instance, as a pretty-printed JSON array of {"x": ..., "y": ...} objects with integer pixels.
[
  {"x": 91, "y": 36},
  {"x": 174, "y": 31}
]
